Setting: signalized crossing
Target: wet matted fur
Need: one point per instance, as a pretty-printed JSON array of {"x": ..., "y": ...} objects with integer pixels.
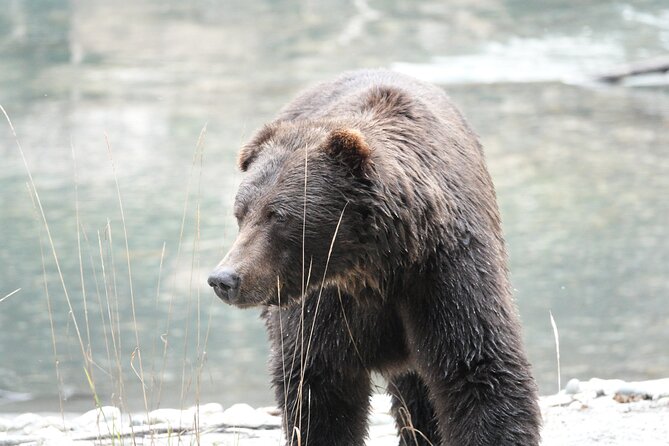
[{"x": 386, "y": 254}]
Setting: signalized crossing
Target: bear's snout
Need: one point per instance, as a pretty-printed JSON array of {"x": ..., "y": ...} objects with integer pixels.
[{"x": 225, "y": 282}]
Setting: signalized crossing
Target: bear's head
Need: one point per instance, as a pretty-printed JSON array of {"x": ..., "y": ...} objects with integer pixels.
[{"x": 303, "y": 212}]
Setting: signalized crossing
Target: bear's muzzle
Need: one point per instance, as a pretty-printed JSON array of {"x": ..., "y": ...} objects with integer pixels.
[{"x": 225, "y": 282}]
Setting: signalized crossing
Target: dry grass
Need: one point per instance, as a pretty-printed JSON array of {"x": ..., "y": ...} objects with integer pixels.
[
  {"x": 297, "y": 434},
  {"x": 116, "y": 364},
  {"x": 557, "y": 350},
  {"x": 10, "y": 294},
  {"x": 99, "y": 253}
]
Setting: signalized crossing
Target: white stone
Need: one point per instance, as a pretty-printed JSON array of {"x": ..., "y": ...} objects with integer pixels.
[
  {"x": 270, "y": 410},
  {"x": 241, "y": 415},
  {"x": 270, "y": 420},
  {"x": 605, "y": 386},
  {"x": 624, "y": 408},
  {"x": 13, "y": 440},
  {"x": 109, "y": 415},
  {"x": 49, "y": 432},
  {"x": 559, "y": 399},
  {"x": 66, "y": 441},
  {"x": 582, "y": 418},
  {"x": 602, "y": 403},
  {"x": 577, "y": 405},
  {"x": 137, "y": 420},
  {"x": 664, "y": 401},
  {"x": 207, "y": 409},
  {"x": 656, "y": 388},
  {"x": 58, "y": 423},
  {"x": 172, "y": 417},
  {"x": 573, "y": 387},
  {"x": 26, "y": 420}
]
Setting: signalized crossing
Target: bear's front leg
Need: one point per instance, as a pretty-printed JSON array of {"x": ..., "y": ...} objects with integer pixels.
[
  {"x": 325, "y": 405},
  {"x": 480, "y": 382},
  {"x": 322, "y": 390},
  {"x": 482, "y": 405}
]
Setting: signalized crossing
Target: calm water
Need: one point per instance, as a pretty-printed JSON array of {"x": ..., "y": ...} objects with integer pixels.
[{"x": 582, "y": 174}]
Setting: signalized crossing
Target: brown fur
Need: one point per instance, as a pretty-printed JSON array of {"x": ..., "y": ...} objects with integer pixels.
[
  {"x": 416, "y": 285},
  {"x": 349, "y": 146}
]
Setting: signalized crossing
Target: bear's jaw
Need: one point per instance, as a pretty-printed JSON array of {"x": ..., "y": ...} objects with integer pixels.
[{"x": 357, "y": 281}]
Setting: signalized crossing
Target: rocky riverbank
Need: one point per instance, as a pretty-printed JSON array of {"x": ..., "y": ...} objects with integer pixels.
[{"x": 596, "y": 412}]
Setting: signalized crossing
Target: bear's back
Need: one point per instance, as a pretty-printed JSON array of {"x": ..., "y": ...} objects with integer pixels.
[
  {"x": 424, "y": 152},
  {"x": 345, "y": 95}
]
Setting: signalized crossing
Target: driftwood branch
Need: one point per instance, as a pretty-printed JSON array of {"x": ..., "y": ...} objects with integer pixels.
[{"x": 651, "y": 66}]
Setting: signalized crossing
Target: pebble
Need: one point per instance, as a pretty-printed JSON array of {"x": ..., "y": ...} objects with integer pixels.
[
  {"x": 577, "y": 405},
  {"x": 624, "y": 408},
  {"x": 629, "y": 389},
  {"x": 207, "y": 409},
  {"x": 661, "y": 402},
  {"x": 270, "y": 410},
  {"x": 104, "y": 414},
  {"x": 573, "y": 387},
  {"x": 26, "y": 422},
  {"x": 47, "y": 432},
  {"x": 604, "y": 386},
  {"x": 58, "y": 423},
  {"x": 241, "y": 415},
  {"x": 16, "y": 440},
  {"x": 559, "y": 399},
  {"x": 171, "y": 417},
  {"x": 242, "y": 425}
]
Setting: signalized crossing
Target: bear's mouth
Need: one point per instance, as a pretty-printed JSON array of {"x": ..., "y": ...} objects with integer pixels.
[
  {"x": 221, "y": 294},
  {"x": 236, "y": 301}
]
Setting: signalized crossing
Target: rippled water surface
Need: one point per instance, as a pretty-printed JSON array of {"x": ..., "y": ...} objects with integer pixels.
[{"x": 582, "y": 174}]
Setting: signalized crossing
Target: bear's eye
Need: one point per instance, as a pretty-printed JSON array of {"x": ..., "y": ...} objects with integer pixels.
[
  {"x": 276, "y": 216},
  {"x": 240, "y": 211},
  {"x": 239, "y": 216}
]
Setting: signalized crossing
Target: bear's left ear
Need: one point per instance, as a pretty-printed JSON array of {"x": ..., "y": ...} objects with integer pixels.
[
  {"x": 249, "y": 152},
  {"x": 349, "y": 146}
]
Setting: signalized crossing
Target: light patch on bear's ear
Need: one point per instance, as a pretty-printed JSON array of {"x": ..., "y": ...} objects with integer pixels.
[
  {"x": 251, "y": 149},
  {"x": 350, "y": 147}
]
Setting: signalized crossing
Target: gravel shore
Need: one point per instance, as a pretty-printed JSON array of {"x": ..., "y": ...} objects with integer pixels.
[{"x": 595, "y": 412}]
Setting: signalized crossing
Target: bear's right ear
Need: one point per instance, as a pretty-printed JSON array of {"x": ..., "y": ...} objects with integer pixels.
[
  {"x": 349, "y": 147},
  {"x": 251, "y": 149}
]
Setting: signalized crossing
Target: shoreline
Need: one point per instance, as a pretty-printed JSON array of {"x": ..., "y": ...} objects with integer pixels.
[{"x": 601, "y": 412}]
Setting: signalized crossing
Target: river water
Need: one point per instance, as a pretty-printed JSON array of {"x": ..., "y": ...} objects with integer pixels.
[{"x": 100, "y": 92}]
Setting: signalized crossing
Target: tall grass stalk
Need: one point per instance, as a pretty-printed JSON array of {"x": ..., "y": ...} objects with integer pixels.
[
  {"x": 10, "y": 294},
  {"x": 81, "y": 263},
  {"x": 48, "y": 230},
  {"x": 102, "y": 263},
  {"x": 187, "y": 380},
  {"x": 557, "y": 349},
  {"x": 299, "y": 432},
  {"x": 99, "y": 300},
  {"x": 137, "y": 349},
  {"x": 54, "y": 347},
  {"x": 304, "y": 351}
]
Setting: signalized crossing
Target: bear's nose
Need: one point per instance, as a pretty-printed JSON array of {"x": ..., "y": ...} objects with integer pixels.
[{"x": 225, "y": 282}]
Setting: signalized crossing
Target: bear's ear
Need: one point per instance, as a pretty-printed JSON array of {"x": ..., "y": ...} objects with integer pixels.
[
  {"x": 251, "y": 149},
  {"x": 349, "y": 146}
]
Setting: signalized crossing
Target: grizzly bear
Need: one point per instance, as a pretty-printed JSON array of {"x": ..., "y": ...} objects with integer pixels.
[{"x": 370, "y": 237}]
